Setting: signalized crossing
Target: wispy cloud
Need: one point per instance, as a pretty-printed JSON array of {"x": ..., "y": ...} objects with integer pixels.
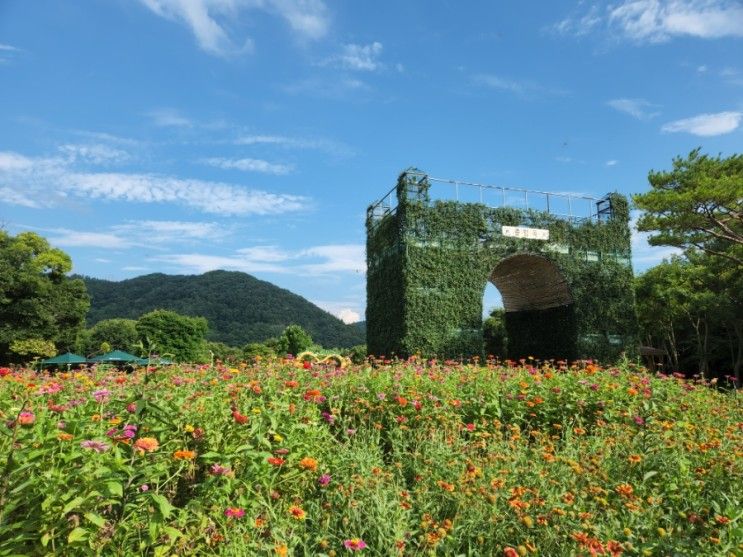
[
  {"x": 706, "y": 125},
  {"x": 637, "y": 108},
  {"x": 97, "y": 153},
  {"x": 644, "y": 255},
  {"x": 321, "y": 260},
  {"x": 169, "y": 118},
  {"x": 657, "y": 21},
  {"x": 45, "y": 182},
  {"x": 612, "y": 162},
  {"x": 302, "y": 143},
  {"x": 333, "y": 87},
  {"x": 521, "y": 87},
  {"x": 7, "y": 52},
  {"x": 357, "y": 57},
  {"x": 213, "y": 21},
  {"x": 249, "y": 165},
  {"x": 168, "y": 231}
]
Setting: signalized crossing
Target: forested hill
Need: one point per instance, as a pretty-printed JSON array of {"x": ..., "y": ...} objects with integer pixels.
[{"x": 239, "y": 307}]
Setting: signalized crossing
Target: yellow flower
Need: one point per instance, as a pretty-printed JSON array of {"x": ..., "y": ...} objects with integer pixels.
[{"x": 189, "y": 428}]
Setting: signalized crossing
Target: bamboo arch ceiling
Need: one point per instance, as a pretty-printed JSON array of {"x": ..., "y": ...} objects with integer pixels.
[{"x": 530, "y": 282}]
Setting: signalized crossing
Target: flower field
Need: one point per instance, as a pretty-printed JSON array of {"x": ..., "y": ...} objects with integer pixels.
[{"x": 413, "y": 458}]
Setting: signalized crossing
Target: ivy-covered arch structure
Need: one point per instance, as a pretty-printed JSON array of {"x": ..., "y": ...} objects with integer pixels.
[{"x": 567, "y": 296}]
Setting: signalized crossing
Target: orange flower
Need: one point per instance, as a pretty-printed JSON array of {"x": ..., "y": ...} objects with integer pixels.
[
  {"x": 446, "y": 486},
  {"x": 146, "y": 444},
  {"x": 510, "y": 552},
  {"x": 308, "y": 463},
  {"x": 297, "y": 512},
  {"x": 281, "y": 550},
  {"x": 184, "y": 455},
  {"x": 634, "y": 458},
  {"x": 65, "y": 436},
  {"x": 625, "y": 490}
]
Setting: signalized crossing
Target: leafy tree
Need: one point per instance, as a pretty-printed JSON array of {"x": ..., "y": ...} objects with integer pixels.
[
  {"x": 33, "y": 347},
  {"x": 357, "y": 354},
  {"x": 224, "y": 353},
  {"x": 294, "y": 340},
  {"x": 698, "y": 204},
  {"x": 495, "y": 335},
  {"x": 118, "y": 334},
  {"x": 255, "y": 351},
  {"x": 37, "y": 299},
  {"x": 167, "y": 332}
]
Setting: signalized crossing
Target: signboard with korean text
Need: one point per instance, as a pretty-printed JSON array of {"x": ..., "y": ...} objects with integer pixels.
[{"x": 526, "y": 232}]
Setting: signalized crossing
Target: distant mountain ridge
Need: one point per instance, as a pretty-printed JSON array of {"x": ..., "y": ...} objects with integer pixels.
[{"x": 239, "y": 307}]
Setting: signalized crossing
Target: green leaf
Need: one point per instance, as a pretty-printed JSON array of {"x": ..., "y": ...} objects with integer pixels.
[
  {"x": 163, "y": 505},
  {"x": 649, "y": 475},
  {"x": 96, "y": 519},
  {"x": 72, "y": 505},
  {"x": 115, "y": 489},
  {"x": 77, "y": 535}
]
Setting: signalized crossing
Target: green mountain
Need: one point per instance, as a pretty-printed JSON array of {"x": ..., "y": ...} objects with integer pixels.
[{"x": 239, "y": 307}]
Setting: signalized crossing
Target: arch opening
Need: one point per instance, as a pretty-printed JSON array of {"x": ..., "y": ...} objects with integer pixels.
[{"x": 538, "y": 308}]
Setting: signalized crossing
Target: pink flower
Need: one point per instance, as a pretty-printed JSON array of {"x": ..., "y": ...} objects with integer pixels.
[
  {"x": 354, "y": 544},
  {"x": 234, "y": 512},
  {"x": 639, "y": 420},
  {"x": 324, "y": 480},
  {"x": 101, "y": 395},
  {"x": 131, "y": 407},
  {"x": 219, "y": 470},
  {"x": 97, "y": 446},
  {"x": 26, "y": 418},
  {"x": 144, "y": 487}
]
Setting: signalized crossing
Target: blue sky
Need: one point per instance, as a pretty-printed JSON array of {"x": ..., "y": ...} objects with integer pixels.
[{"x": 180, "y": 136}]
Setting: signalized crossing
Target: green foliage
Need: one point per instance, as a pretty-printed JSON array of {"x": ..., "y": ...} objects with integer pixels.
[
  {"x": 294, "y": 340},
  {"x": 33, "y": 347},
  {"x": 167, "y": 332},
  {"x": 698, "y": 204},
  {"x": 357, "y": 354},
  {"x": 256, "y": 351},
  {"x": 224, "y": 353},
  {"x": 428, "y": 265},
  {"x": 495, "y": 335},
  {"x": 239, "y": 308},
  {"x": 117, "y": 334},
  {"x": 37, "y": 299},
  {"x": 693, "y": 308}
]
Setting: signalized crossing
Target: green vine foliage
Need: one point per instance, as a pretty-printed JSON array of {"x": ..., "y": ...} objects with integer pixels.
[{"x": 428, "y": 264}]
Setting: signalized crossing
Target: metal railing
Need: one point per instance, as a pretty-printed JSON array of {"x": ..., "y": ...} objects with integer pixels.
[{"x": 575, "y": 207}]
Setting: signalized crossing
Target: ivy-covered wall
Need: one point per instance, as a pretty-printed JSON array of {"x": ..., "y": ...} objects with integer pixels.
[{"x": 428, "y": 265}]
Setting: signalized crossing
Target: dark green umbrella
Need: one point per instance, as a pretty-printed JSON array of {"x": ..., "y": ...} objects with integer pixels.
[
  {"x": 115, "y": 357},
  {"x": 64, "y": 359}
]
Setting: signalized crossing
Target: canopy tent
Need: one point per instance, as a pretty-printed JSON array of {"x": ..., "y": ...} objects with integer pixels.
[
  {"x": 64, "y": 359},
  {"x": 155, "y": 361},
  {"x": 117, "y": 356}
]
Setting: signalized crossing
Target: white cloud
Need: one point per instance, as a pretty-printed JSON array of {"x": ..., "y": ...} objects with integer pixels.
[
  {"x": 347, "y": 315},
  {"x": 706, "y": 125},
  {"x": 328, "y": 146},
  {"x": 637, "y": 108},
  {"x": 73, "y": 238},
  {"x": 44, "y": 182},
  {"x": 94, "y": 153},
  {"x": 7, "y": 52},
  {"x": 134, "y": 268},
  {"x": 656, "y": 21},
  {"x": 344, "y": 311},
  {"x": 522, "y": 88},
  {"x": 314, "y": 261},
  {"x": 162, "y": 231},
  {"x": 358, "y": 57},
  {"x": 211, "y": 20},
  {"x": 169, "y": 117},
  {"x": 249, "y": 165},
  {"x": 337, "y": 88},
  {"x": 612, "y": 162},
  {"x": 102, "y": 260}
]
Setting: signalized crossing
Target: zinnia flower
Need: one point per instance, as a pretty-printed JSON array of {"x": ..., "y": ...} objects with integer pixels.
[
  {"x": 219, "y": 470},
  {"x": 276, "y": 460},
  {"x": 234, "y": 512},
  {"x": 26, "y": 418},
  {"x": 146, "y": 444},
  {"x": 101, "y": 395},
  {"x": 297, "y": 512},
  {"x": 184, "y": 455},
  {"x": 355, "y": 544},
  {"x": 324, "y": 480},
  {"x": 97, "y": 446},
  {"x": 308, "y": 463}
]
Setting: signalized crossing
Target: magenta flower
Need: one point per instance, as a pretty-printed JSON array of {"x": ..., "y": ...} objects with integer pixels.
[
  {"x": 97, "y": 446},
  {"x": 324, "y": 480},
  {"x": 101, "y": 395},
  {"x": 639, "y": 420},
  {"x": 144, "y": 487},
  {"x": 234, "y": 512},
  {"x": 219, "y": 470},
  {"x": 354, "y": 544}
]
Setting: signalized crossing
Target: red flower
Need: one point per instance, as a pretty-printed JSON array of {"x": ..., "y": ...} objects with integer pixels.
[
  {"x": 239, "y": 418},
  {"x": 276, "y": 460}
]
